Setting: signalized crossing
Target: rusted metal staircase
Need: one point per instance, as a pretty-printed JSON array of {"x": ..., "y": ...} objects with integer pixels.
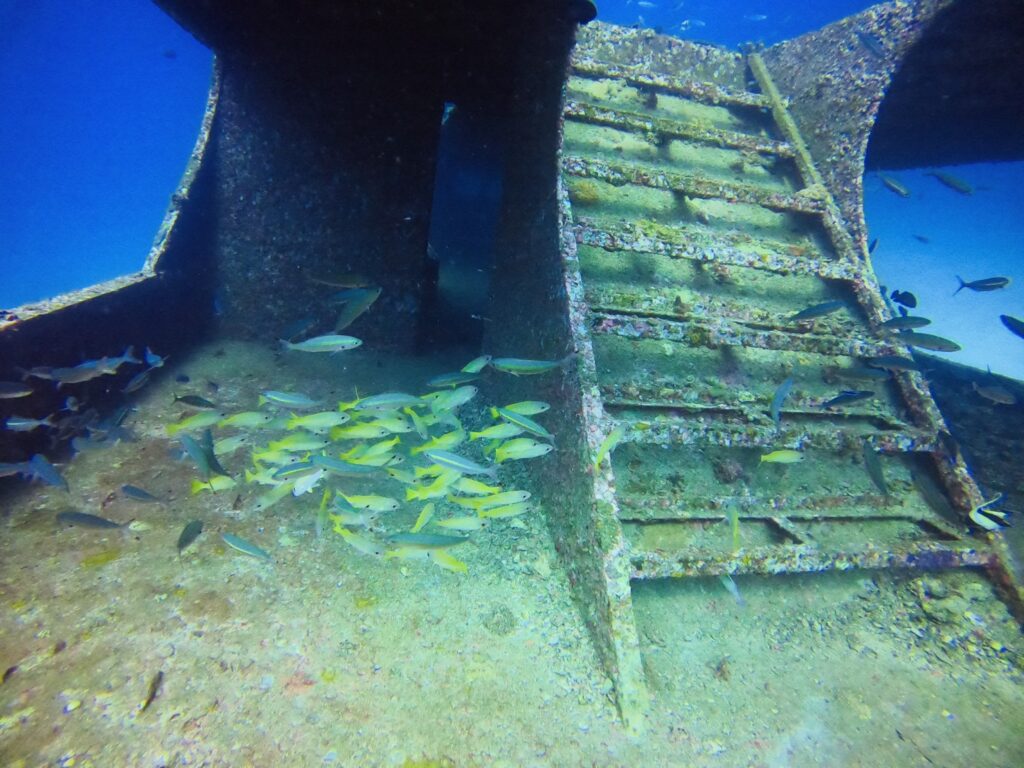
[{"x": 695, "y": 227}]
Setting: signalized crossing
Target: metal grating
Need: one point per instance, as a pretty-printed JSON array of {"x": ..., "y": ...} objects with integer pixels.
[{"x": 700, "y": 227}]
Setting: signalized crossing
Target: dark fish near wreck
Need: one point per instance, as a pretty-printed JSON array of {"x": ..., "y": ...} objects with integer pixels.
[
  {"x": 780, "y": 396},
  {"x": 139, "y": 494},
  {"x": 357, "y": 301},
  {"x": 985, "y": 284},
  {"x": 848, "y": 396},
  {"x": 922, "y": 239},
  {"x": 952, "y": 182},
  {"x": 872, "y": 245},
  {"x": 858, "y": 373},
  {"x": 928, "y": 341},
  {"x": 85, "y": 520},
  {"x": 195, "y": 401},
  {"x": 189, "y": 534},
  {"x": 818, "y": 310},
  {"x": 894, "y": 185},
  {"x": 872, "y": 44},
  {"x": 1014, "y": 325},
  {"x": 995, "y": 394},
  {"x": 39, "y": 468},
  {"x": 893, "y": 363},
  {"x": 905, "y": 322},
  {"x": 873, "y": 465},
  {"x": 906, "y": 298}
]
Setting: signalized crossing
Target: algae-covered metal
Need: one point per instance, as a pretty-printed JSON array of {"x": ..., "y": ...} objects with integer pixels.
[{"x": 697, "y": 232}]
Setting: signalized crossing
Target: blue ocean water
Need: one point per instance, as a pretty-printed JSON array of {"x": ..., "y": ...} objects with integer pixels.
[
  {"x": 102, "y": 103},
  {"x": 729, "y": 22},
  {"x": 935, "y": 234}
]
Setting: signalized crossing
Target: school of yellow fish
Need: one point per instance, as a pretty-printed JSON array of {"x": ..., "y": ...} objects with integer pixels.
[{"x": 444, "y": 476}]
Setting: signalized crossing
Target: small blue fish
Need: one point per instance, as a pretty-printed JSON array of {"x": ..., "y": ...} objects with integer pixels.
[
  {"x": 27, "y": 424},
  {"x": 139, "y": 494},
  {"x": 730, "y": 586},
  {"x": 189, "y": 534},
  {"x": 153, "y": 360},
  {"x": 780, "y": 396},
  {"x": 40, "y": 468},
  {"x": 848, "y": 396},
  {"x": 85, "y": 520},
  {"x": 245, "y": 547},
  {"x": 818, "y": 310},
  {"x": 137, "y": 382}
]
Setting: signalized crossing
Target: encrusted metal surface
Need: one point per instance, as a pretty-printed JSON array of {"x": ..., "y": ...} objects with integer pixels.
[
  {"x": 685, "y": 265},
  {"x": 834, "y": 85}
]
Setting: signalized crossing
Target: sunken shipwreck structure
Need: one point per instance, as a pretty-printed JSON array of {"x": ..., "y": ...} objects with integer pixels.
[{"x": 666, "y": 207}]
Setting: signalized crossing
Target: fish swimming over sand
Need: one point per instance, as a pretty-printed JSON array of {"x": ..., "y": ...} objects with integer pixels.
[
  {"x": 85, "y": 520},
  {"x": 40, "y": 468},
  {"x": 201, "y": 420},
  {"x": 294, "y": 400},
  {"x": 195, "y": 401},
  {"x": 139, "y": 494},
  {"x": 245, "y": 547},
  {"x": 330, "y": 344},
  {"x": 189, "y": 534}
]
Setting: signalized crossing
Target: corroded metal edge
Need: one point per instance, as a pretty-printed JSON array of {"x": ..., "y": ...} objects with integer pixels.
[
  {"x": 692, "y": 185},
  {"x": 649, "y": 237},
  {"x": 151, "y": 267},
  {"x": 809, "y": 559},
  {"x": 655, "y": 129},
  {"x": 619, "y": 645},
  {"x": 707, "y": 93},
  {"x": 834, "y": 87},
  {"x": 955, "y": 476}
]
